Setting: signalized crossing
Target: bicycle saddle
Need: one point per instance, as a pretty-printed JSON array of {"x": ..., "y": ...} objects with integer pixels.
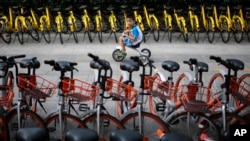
[
  {"x": 209, "y": 8},
  {"x": 129, "y": 66},
  {"x": 64, "y": 66},
  {"x": 135, "y": 7},
  {"x": 97, "y": 65},
  {"x": 30, "y": 63},
  {"x": 124, "y": 6},
  {"x": 175, "y": 137},
  {"x": 32, "y": 134},
  {"x": 235, "y": 64},
  {"x": 170, "y": 66},
  {"x": 81, "y": 134},
  {"x": 125, "y": 135},
  {"x": 179, "y": 10},
  {"x": 202, "y": 67}
]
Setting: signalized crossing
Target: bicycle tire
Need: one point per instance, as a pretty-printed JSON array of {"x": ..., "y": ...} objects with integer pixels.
[
  {"x": 5, "y": 34},
  {"x": 52, "y": 123},
  {"x": 195, "y": 31},
  {"x": 179, "y": 124},
  {"x": 183, "y": 29},
  {"x": 45, "y": 32},
  {"x": 210, "y": 30},
  {"x": 75, "y": 36},
  {"x": 65, "y": 27},
  {"x": 117, "y": 56},
  {"x": 182, "y": 80},
  {"x": 28, "y": 119},
  {"x": 108, "y": 123},
  {"x": 100, "y": 36},
  {"x": 61, "y": 38},
  {"x": 231, "y": 119},
  {"x": 225, "y": 34},
  {"x": 31, "y": 31},
  {"x": 150, "y": 121},
  {"x": 238, "y": 33},
  {"x": 20, "y": 31},
  {"x": 215, "y": 83},
  {"x": 169, "y": 35},
  {"x": 155, "y": 30},
  {"x": 79, "y": 24},
  {"x": 4, "y": 132}
]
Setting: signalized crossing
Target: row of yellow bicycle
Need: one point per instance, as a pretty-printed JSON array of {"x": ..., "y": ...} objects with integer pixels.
[{"x": 40, "y": 22}]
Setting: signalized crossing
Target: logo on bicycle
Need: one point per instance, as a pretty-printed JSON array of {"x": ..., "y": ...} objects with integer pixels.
[{"x": 239, "y": 131}]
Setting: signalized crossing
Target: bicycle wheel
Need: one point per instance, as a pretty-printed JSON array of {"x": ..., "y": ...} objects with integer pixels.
[
  {"x": 45, "y": 32},
  {"x": 75, "y": 36},
  {"x": 150, "y": 124},
  {"x": 184, "y": 34},
  {"x": 61, "y": 38},
  {"x": 5, "y": 34},
  {"x": 210, "y": 30},
  {"x": 28, "y": 119},
  {"x": 107, "y": 124},
  {"x": 68, "y": 122},
  {"x": 20, "y": 31},
  {"x": 225, "y": 34},
  {"x": 195, "y": 31},
  {"x": 155, "y": 29},
  {"x": 195, "y": 126},
  {"x": 4, "y": 131},
  {"x": 215, "y": 83},
  {"x": 117, "y": 55},
  {"x": 182, "y": 80},
  {"x": 31, "y": 31},
  {"x": 238, "y": 33},
  {"x": 231, "y": 119},
  {"x": 100, "y": 36}
]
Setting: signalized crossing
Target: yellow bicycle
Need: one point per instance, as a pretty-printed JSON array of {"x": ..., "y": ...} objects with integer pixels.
[
  {"x": 238, "y": 23},
  {"x": 208, "y": 22},
  {"x": 167, "y": 18},
  {"x": 113, "y": 23},
  {"x": 181, "y": 23},
  {"x": 45, "y": 23},
  {"x": 6, "y": 25},
  {"x": 152, "y": 22},
  {"x": 139, "y": 21},
  {"x": 88, "y": 25},
  {"x": 194, "y": 22}
]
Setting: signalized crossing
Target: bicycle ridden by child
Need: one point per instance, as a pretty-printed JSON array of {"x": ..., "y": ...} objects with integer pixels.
[{"x": 132, "y": 36}]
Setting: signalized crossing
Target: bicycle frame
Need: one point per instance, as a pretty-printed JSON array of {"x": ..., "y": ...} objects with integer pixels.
[
  {"x": 193, "y": 18},
  {"x": 98, "y": 20},
  {"x": 138, "y": 19},
  {"x": 150, "y": 16},
  {"x": 112, "y": 21},
  {"x": 20, "y": 18},
  {"x": 204, "y": 19},
  {"x": 218, "y": 19},
  {"x": 72, "y": 21},
  {"x": 46, "y": 17},
  {"x": 238, "y": 15},
  {"x": 179, "y": 20},
  {"x": 59, "y": 22},
  {"x": 8, "y": 20},
  {"x": 167, "y": 19},
  {"x": 33, "y": 19}
]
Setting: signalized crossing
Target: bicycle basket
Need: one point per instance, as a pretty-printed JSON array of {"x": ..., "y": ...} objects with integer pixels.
[
  {"x": 79, "y": 90},
  {"x": 120, "y": 91},
  {"x": 6, "y": 96},
  {"x": 162, "y": 89},
  {"x": 199, "y": 99},
  {"x": 240, "y": 90},
  {"x": 35, "y": 86}
]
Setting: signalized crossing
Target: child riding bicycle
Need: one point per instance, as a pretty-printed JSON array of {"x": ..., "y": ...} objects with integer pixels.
[{"x": 132, "y": 36}]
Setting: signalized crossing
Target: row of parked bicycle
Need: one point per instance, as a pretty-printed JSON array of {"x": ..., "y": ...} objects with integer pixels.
[
  {"x": 93, "y": 20},
  {"x": 185, "y": 106}
]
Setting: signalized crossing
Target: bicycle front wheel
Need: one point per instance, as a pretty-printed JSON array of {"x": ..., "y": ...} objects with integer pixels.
[
  {"x": 238, "y": 33},
  {"x": 32, "y": 32},
  {"x": 225, "y": 34},
  {"x": 195, "y": 126},
  {"x": 5, "y": 34},
  {"x": 196, "y": 31},
  {"x": 27, "y": 119},
  {"x": 150, "y": 124},
  {"x": 57, "y": 131},
  {"x": 20, "y": 31},
  {"x": 107, "y": 124},
  {"x": 210, "y": 30},
  {"x": 155, "y": 29}
]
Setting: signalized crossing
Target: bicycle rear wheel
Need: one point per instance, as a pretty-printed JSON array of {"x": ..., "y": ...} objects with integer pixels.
[
  {"x": 32, "y": 32},
  {"x": 20, "y": 31},
  {"x": 5, "y": 34},
  {"x": 155, "y": 29},
  {"x": 150, "y": 124},
  {"x": 195, "y": 126},
  {"x": 28, "y": 119},
  {"x": 225, "y": 34},
  {"x": 68, "y": 122},
  {"x": 238, "y": 33},
  {"x": 107, "y": 124}
]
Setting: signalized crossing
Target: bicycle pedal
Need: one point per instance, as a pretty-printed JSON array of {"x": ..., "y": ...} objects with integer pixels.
[
  {"x": 83, "y": 107},
  {"x": 160, "y": 107}
]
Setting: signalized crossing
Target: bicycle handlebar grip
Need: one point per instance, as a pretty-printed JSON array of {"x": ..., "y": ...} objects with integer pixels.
[
  {"x": 93, "y": 56},
  {"x": 186, "y": 62},
  {"x": 217, "y": 59},
  {"x": 193, "y": 61},
  {"x": 73, "y": 63},
  {"x": 19, "y": 56},
  {"x": 49, "y": 62}
]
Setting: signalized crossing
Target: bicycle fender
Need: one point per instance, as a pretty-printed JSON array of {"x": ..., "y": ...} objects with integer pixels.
[
  {"x": 189, "y": 75},
  {"x": 162, "y": 76}
]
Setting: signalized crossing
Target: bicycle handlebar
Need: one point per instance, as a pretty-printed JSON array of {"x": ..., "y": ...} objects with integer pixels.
[
  {"x": 103, "y": 63},
  {"x": 219, "y": 60},
  {"x": 5, "y": 58},
  {"x": 192, "y": 61}
]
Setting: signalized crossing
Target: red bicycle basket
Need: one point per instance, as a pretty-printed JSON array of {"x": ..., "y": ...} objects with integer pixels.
[
  {"x": 36, "y": 86},
  {"x": 199, "y": 99},
  {"x": 240, "y": 90},
  {"x": 79, "y": 90},
  {"x": 120, "y": 90},
  {"x": 6, "y": 96},
  {"x": 162, "y": 89}
]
